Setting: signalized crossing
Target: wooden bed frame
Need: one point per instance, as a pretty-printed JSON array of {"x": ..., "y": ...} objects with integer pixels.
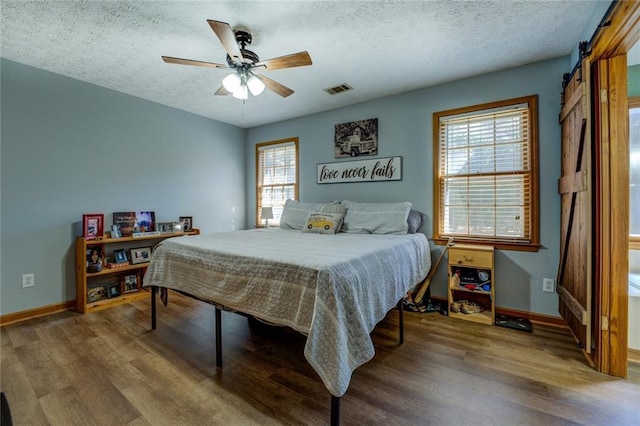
[{"x": 335, "y": 400}]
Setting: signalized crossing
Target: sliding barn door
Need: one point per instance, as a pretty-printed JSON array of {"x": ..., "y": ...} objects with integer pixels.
[{"x": 575, "y": 268}]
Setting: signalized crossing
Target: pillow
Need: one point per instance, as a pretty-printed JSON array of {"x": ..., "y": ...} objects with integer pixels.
[
  {"x": 415, "y": 221},
  {"x": 323, "y": 223},
  {"x": 295, "y": 213},
  {"x": 376, "y": 218}
]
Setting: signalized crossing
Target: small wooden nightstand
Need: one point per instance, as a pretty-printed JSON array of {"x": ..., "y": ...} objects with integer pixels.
[{"x": 470, "y": 271}]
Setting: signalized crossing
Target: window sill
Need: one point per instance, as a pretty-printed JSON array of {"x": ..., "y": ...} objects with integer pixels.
[{"x": 500, "y": 245}]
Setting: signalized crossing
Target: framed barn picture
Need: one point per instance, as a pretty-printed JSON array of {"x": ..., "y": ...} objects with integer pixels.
[{"x": 357, "y": 138}]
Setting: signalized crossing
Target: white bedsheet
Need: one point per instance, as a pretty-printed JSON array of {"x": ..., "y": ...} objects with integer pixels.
[{"x": 332, "y": 288}]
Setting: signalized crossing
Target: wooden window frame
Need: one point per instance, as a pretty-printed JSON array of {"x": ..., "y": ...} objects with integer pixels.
[
  {"x": 259, "y": 185},
  {"x": 533, "y": 244}
]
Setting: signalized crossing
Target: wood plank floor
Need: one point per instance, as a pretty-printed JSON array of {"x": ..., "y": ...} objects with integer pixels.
[{"x": 108, "y": 368}]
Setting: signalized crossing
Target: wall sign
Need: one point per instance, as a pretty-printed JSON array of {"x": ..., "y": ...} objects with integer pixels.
[{"x": 380, "y": 169}]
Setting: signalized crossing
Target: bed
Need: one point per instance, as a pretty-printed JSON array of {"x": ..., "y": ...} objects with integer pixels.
[{"x": 333, "y": 289}]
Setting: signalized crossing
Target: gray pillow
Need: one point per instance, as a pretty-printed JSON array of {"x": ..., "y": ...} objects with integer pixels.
[
  {"x": 295, "y": 213},
  {"x": 376, "y": 218},
  {"x": 415, "y": 221}
]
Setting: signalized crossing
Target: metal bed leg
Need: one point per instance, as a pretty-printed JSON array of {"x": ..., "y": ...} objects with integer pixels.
[
  {"x": 335, "y": 410},
  {"x": 154, "y": 290},
  {"x": 218, "y": 338},
  {"x": 401, "y": 320}
]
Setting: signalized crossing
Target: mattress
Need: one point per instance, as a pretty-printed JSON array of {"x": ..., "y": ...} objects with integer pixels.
[{"x": 332, "y": 288}]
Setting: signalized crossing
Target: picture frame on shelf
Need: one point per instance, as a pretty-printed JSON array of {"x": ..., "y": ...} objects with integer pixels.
[
  {"x": 125, "y": 221},
  {"x": 187, "y": 223},
  {"x": 96, "y": 293},
  {"x": 115, "y": 231},
  {"x": 178, "y": 227},
  {"x": 140, "y": 255},
  {"x": 130, "y": 222},
  {"x": 113, "y": 290},
  {"x": 130, "y": 282},
  {"x": 164, "y": 227},
  {"x": 95, "y": 258},
  {"x": 145, "y": 222},
  {"x": 119, "y": 256},
  {"x": 92, "y": 225}
]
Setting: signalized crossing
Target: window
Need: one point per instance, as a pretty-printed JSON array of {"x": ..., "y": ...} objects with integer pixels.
[
  {"x": 276, "y": 175},
  {"x": 486, "y": 174},
  {"x": 634, "y": 172}
]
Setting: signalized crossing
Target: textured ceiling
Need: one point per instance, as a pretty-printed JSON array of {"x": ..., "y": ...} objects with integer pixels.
[{"x": 378, "y": 47}]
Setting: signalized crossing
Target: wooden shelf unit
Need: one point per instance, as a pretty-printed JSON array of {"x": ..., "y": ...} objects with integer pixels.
[
  {"x": 84, "y": 278},
  {"x": 476, "y": 258}
]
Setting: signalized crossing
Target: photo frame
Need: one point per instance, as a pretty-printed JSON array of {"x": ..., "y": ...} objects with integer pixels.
[
  {"x": 145, "y": 222},
  {"x": 178, "y": 227},
  {"x": 187, "y": 223},
  {"x": 130, "y": 283},
  {"x": 140, "y": 255},
  {"x": 92, "y": 225},
  {"x": 357, "y": 138},
  {"x": 125, "y": 221},
  {"x": 113, "y": 290},
  {"x": 119, "y": 256},
  {"x": 96, "y": 293},
  {"x": 164, "y": 227},
  {"x": 115, "y": 231},
  {"x": 95, "y": 258},
  {"x": 130, "y": 222}
]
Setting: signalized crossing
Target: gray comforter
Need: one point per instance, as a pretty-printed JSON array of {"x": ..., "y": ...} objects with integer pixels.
[{"x": 332, "y": 288}]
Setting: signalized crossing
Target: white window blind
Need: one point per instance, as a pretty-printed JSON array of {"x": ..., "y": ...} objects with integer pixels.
[
  {"x": 485, "y": 174},
  {"x": 277, "y": 177}
]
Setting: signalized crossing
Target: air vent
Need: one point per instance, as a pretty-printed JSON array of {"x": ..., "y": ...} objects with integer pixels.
[{"x": 344, "y": 87}]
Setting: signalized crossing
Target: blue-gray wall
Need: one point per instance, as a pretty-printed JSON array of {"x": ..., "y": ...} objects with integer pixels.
[
  {"x": 405, "y": 129},
  {"x": 633, "y": 81},
  {"x": 69, "y": 148}
]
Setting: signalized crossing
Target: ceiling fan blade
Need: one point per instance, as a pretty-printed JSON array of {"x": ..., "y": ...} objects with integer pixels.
[
  {"x": 274, "y": 86},
  {"x": 227, "y": 38},
  {"x": 222, "y": 91},
  {"x": 171, "y": 60},
  {"x": 299, "y": 59}
]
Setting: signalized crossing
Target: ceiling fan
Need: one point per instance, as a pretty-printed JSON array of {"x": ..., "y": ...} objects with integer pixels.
[{"x": 244, "y": 62}]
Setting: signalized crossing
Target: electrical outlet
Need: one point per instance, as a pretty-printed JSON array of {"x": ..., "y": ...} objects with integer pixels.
[
  {"x": 548, "y": 285},
  {"x": 28, "y": 280}
]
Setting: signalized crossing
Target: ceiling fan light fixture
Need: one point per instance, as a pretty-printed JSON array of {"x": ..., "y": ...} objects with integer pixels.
[
  {"x": 241, "y": 92},
  {"x": 232, "y": 82},
  {"x": 256, "y": 86},
  {"x": 242, "y": 61}
]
